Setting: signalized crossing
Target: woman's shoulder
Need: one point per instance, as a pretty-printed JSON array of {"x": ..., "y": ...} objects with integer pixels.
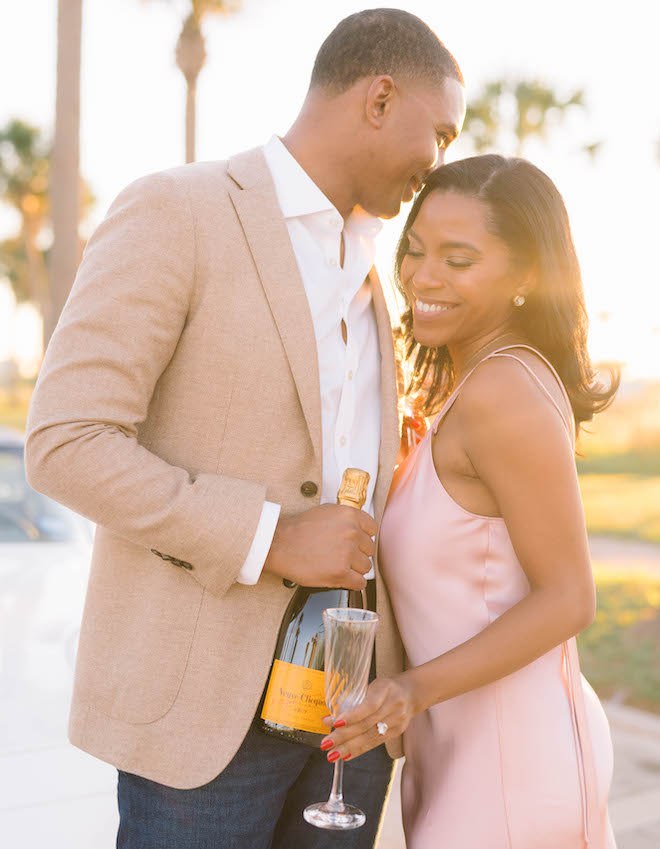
[{"x": 513, "y": 389}]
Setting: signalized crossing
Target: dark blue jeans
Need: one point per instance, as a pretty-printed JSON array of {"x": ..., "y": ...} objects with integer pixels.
[{"x": 255, "y": 803}]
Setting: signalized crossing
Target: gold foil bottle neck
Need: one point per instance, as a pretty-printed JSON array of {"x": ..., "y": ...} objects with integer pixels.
[{"x": 353, "y": 489}]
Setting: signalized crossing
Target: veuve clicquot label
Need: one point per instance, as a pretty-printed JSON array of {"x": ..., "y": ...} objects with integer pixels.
[
  {"x": 296, "y": 697},
  {"x": 294, "y": 701}
]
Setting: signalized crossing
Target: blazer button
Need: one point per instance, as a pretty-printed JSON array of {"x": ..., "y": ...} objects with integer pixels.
[{"x": 309, "y": 489}]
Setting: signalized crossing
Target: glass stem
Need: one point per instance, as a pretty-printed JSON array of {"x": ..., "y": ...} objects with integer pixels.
[{"x": 336, "y": 800}]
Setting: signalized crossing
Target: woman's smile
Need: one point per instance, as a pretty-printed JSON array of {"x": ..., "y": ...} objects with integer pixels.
[{"x": 428, "y": 310}]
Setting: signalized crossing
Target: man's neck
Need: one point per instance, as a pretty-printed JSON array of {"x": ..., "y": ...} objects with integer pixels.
[{"x": 322, "y": 163}]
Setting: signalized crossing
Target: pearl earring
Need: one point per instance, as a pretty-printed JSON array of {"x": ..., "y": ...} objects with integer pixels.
[{"x": 519, "y": 300}]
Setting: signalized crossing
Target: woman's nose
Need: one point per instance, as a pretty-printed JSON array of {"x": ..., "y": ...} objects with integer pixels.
[{"x": 425, "y": 278}]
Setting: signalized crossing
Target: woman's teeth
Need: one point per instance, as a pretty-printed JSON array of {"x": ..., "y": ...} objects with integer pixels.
[{"x": 425, "y": 307}]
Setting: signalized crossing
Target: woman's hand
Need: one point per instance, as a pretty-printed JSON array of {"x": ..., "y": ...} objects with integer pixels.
[{"x": 389, "y": 700}]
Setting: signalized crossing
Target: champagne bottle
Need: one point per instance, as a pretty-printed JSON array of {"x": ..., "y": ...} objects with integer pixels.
[{"x": 294, "y": 699}]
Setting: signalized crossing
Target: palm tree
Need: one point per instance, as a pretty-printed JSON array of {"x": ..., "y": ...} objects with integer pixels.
[
  {"x": 65, "y": 171},
  {"x": 26, "y": 171},
  {"x": 24, "y": 177},
  {"x": 191, "y": 56},
  {"x": 530, "y": 104},
  {"x": 482, "y": 118},
  {"x": 535, "y": 101}
]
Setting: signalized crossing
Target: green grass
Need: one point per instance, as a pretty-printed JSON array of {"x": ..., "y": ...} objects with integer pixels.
[
  {"x": 624, "y": 505},
  {"x": 643, "y": 463},
  {"x": 619, "y": 651}
]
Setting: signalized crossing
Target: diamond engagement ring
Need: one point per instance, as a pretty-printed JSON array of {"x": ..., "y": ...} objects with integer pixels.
[{"x": 382, "y": 728}]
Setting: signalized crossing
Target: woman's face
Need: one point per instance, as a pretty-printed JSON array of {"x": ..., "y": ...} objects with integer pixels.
[{"x": 458, "y": 277}]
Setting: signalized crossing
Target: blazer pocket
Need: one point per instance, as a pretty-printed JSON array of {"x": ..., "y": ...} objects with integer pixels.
[{"x": 140, "y": 620}]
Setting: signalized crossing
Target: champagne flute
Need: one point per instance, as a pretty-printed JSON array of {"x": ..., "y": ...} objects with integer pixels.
[{"x": 349, "y": 640}]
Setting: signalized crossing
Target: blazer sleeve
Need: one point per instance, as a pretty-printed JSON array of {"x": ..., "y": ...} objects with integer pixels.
[{"x": 116, "y": 335}]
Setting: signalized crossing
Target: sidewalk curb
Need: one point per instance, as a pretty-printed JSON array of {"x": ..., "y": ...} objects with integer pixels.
[{"x": 634, "y": 720}]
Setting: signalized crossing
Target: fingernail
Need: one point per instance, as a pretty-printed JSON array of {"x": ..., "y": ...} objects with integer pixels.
[
  {"x": 333, "y": 756},
  {"x": 327, "y": 744},
  {"x": 326, "y": 718},
  {"x": 340, "y": 723},
  {"x": 346, "y": 757}
]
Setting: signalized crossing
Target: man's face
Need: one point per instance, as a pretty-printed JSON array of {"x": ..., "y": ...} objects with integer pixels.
[{"x": 424, "y": 119}]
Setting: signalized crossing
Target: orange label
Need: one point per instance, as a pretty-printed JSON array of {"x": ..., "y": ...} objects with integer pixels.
[{"x": 296, "y": 697}]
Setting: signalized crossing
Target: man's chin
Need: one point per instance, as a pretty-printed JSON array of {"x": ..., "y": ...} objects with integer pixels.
[
  {"x": 386, "y": 209},
  {"x": 391, "y": 210},
  {"x": 388, "y": 216}
]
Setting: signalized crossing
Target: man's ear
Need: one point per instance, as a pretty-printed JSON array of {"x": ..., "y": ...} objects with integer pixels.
[{"x": 380, "y": 96}]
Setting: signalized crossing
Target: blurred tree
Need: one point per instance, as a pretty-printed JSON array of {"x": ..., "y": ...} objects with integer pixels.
[
  {"x": 191, "y": 56},
  {"x": 24, "y": 175},
  {"x": 25, "y": 185},
  {"x": 506, "y": 113},
  {"x": 66, "y": 184}
]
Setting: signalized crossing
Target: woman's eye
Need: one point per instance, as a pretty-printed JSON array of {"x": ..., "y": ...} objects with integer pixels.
[
  {"x": 413, "y": 252},
  {"x": 459, "y": 263}
]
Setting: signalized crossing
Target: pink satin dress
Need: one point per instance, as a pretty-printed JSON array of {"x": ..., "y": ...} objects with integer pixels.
[{"x": 524, "y": 762}]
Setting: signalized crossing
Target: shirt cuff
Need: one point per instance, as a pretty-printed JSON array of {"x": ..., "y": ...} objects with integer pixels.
[{"x": 263, "y": 538}]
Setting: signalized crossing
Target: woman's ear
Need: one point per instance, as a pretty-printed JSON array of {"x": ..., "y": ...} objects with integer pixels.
[{"x": 528, "y": 284}]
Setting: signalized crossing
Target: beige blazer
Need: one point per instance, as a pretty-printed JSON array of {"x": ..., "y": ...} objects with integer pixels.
[{"x": 179, "y": 391}]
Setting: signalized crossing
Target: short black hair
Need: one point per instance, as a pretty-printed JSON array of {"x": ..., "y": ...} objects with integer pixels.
[{"x": 381, "y": 41}]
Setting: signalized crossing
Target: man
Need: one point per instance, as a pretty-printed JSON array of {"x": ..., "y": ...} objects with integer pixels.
[{"x": 224, "y": 355}]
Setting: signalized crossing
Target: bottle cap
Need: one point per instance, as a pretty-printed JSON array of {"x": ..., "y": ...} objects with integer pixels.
[{"x": 353, "y": 489}]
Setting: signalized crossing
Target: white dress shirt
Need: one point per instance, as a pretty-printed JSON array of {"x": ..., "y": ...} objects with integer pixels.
[{"x": 349, "y": 373}]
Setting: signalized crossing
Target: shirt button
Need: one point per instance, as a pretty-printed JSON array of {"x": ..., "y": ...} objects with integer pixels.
[
  {"x": 309, "y": 489},
  {"x": 350, "y": 375},
  {"x": 332, "y": 262},
  {"x": 338, "y": 223},
  {"x": 342, "y": 440}
]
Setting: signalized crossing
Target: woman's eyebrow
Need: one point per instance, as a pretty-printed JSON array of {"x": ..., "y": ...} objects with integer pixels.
[
  {"x": 448, "y": 245},
  {"x": 461, "y": 246}
]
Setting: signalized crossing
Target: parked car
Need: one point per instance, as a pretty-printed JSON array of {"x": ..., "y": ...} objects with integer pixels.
[{"x": 45, "y": 552}]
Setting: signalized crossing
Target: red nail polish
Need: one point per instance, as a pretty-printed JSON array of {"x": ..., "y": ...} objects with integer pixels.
[
  {"x": 333, "y": 756},
  {"x": 346, "y": 757},
  {"x": 340, "y": 723},
  {"x": 327, "y": 744}
]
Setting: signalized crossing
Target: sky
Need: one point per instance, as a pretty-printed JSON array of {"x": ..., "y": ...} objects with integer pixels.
[{"x": 256, "y": 76}]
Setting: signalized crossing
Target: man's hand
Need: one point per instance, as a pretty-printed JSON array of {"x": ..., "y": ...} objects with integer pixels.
[{"x": 327, "y": 546}]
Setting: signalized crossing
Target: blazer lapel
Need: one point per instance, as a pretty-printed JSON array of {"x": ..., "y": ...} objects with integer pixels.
[
  {"x": 389, "y": 433},
  {"x": 257, "y": 207}
]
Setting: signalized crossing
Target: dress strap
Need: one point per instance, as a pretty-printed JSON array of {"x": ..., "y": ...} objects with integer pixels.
[
  {"x": 540, "y": 384},
  {"x": 500, "y": 352}
]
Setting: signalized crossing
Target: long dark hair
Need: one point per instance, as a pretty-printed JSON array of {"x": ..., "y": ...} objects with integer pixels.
[{"x": 527, "y": 212}]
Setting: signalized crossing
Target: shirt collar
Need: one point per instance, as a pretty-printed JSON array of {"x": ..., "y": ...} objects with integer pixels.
[{"x": 298, "y": 194}]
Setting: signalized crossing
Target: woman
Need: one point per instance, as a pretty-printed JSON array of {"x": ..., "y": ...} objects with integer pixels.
[{"x": 483, "y": 544}]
